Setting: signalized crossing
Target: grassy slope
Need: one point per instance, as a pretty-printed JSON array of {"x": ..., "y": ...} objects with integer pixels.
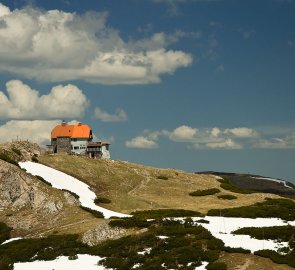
[
  {"x": 235, "y": 261},
  {"x": 136, "y": 187}
]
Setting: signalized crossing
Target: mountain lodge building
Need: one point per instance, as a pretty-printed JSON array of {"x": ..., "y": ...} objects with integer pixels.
[{"x": 77, "y": 139}]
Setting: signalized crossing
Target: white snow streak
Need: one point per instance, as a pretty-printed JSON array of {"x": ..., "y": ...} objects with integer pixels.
[
  {"x": 61, "y": 180},
  {"x": 11, "y": 240},
  {"x": 274, "y": 180}
]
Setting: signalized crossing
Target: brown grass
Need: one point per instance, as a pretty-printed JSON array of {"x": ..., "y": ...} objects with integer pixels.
[
  {"x": 237, "y": 261},
  {"x": 136, "y": 187}
]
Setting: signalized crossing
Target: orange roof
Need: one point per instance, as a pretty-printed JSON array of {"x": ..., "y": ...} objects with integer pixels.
[{"x": 73, "y": 131}]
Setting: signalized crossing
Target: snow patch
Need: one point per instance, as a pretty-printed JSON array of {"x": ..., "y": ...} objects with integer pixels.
[
  {"x": 145, "y": 251},
  {"x": 221, "y": 227},
  {"x": 274, "y": 180},
  {"x": 11, "y": 240},
  {"x": 61, "y": 180},
  {"x": 162, "y": 237}
]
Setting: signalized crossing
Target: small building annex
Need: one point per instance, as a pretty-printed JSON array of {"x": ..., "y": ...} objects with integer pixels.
[{"x": 77, "y": 139}]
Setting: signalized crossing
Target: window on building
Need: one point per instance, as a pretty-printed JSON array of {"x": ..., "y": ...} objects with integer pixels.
[{"x": 76, "y": 147}]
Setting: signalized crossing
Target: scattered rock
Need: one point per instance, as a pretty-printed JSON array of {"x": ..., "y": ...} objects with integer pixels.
[
  {"x": 101, "y": 233},
  {"x": 70, "y": 199}
]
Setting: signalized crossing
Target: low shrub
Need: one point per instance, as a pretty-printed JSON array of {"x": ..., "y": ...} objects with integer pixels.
[
  {"x": 280, "y": 208},
  {"x": 6, "y": 158},
  {"x": 17, "y": 151},
  {"x": 203, "y": 221},
  {"x": 205, "y": 192},
  {"x": 182, "y": 249},
  {"x": 162, "y": 177},
  {"x": 183, "y": 245},
  {"x": 216, "y": 266},
  {"x": 279, "y": 233},
  {"x": 163, "y": 213},
  {"x": 288, "y": 259},
  {"x": 131, "y": 222},
  {"x": 228, "y": 185},
  {"x": 4, "y": 232},
  {"x": 95, "y": 213},
  {"x": 43, "y": 180},
  {"x": 41, "y": 249},
  {"x": 35, "y": 159},
  {"x": 236, "y": 250},
  {"x": 103, "y": 200},
  {"x": 227, "y": 197}
]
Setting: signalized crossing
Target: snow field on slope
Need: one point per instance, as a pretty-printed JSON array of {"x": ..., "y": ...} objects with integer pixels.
[
  {"x": 61, "y": 180},
  {"x": 221, "y": 227}
]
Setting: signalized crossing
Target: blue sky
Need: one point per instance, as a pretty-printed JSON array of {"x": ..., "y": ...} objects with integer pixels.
[{"x": 190, "y": 84}]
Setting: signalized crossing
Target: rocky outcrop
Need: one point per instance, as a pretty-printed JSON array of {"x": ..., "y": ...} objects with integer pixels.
[
  {"x": 19, "y": 189},
  {"x": 26, "y": 203},
  {"x": 101, "y": 233},
  {"x": 21, "y": 150}
]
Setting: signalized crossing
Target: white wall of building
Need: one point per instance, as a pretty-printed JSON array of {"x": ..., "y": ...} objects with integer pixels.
[{"x": 79, "y": 146}]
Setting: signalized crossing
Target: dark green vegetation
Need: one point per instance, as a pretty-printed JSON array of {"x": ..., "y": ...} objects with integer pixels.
[
  {"x": 96, "y": 214},
  {"x": 17, "y": 151},
  {"x": 6, "y": 158},
  {"x": 162, "y": 213},
  {"x": 43, "y": 180},
  {"x": 280, "y": 233},
  {"x": 103, "y": 200},
  {"x": 41, "y": 249},
  {"x": 35, "y": 159},
  {"x": 227, "y": 197},
  {"x": 281, "y": 208},
  {"x": 228, "y": 185},
  {"x": 236, "y": 250},
  {"x": 205, "y": 192},
  {"x": 185, "y": 247},
  {"x": 288, "y": 259},
  {"x": 217, "y": 266},
  {"x": 162, "y": 177},
  {"x": 4, "y": 232},
  {"x": 140, "y": 219}
]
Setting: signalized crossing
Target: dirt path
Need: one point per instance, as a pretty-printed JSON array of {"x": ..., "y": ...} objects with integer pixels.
[
  {"x": 244, "y": 266},
  {"x": 40, "y": 234}
]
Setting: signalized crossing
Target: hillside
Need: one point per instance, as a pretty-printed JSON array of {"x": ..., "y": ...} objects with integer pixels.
[
  {"x": 33, "y": 208},
  {"x": 133, "y": 187}
]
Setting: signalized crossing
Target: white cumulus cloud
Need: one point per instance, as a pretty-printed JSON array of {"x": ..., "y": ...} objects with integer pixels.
[
  {"x": 241, "y": 132},
  {"x": 23, "y": 102},
  {"x": 226, "y": 144},
  {"x": 119, "y": 116},
  {"x": 56, "y": 46},
  {"x": 4, "y": 10},
  {"x": 183, "y": 133},
  {"x": 35, "y": 131},
  {"x": 141, "y": 142}
]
